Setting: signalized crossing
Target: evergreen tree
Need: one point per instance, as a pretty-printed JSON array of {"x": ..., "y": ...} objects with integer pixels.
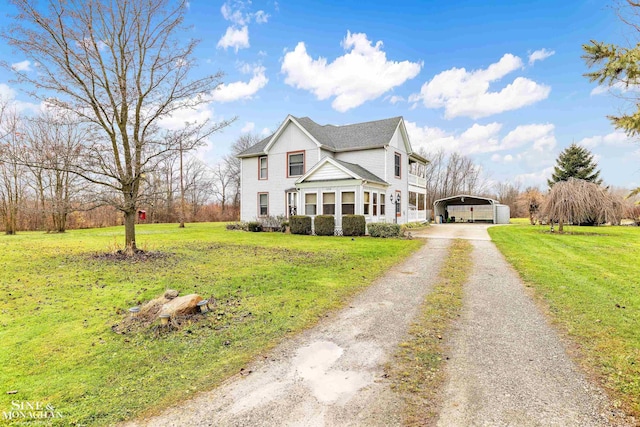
[{"x": 575, "y": 162}]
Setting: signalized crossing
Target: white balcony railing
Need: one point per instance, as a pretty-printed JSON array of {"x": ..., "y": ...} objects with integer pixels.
[{"x": 417, "y": 180}]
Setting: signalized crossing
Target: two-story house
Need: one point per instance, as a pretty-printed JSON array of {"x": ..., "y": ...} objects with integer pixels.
[{"x": 305, "y": 168}]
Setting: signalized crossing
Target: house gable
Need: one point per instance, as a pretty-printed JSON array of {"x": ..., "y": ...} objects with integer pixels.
[
  {"x": 400, "y": 139},
  {"x": 290, "y": 120},
  {"x": 327, "y": 172}
]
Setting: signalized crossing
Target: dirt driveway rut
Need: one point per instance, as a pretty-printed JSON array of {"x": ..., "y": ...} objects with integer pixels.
[{"x": 507, "y": 366}]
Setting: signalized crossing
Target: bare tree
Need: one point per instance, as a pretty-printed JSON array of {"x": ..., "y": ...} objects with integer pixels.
[
  {"x": 508, "y": 193},
  {"x": 55, "y": 142},
  {"x": 122, "y": 66},
  {"x": 199, "y": 185},
  {"x": 12, "y": 183},
  {"x": 451, "y": 175},
  {"x": 233, "y": 163},
  {"x": 223, "y": 180},
  {"x": 578, "y": 201},
  {"x": 531, "y": 201}
]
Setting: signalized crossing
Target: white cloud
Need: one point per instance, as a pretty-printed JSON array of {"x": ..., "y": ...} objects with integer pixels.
[
  {"x": 241, "y": 90},
  {"x": 395, "y": 99},
  {"x": 480, "y": 139},
  {"x": 22, "y": 65},
  {"x": 615, "y": 138},
  {"x": 180, "y": 117},
  {"x": 265, "y": 132},
  {"x": 535, "y": 179},
  {"x": 362, "y": 74},
  {"x": 235, "y": 13},
  {"x": 7, "y": 92},
  {"x": 616, "y": 87},
  {"x": 466, "y": 93},
  {"x": 541, "y": 135},
  {"x": 476, "y": 139},
  {"x": 237, "y": 38},
  {"x": 261, "y": 17},
  {"x": 539, "y": 55},
  {"x": 248, "y": 127},
  {"x": 498, "y": 158}
]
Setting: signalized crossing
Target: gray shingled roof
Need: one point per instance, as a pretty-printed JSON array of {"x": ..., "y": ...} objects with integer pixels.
[
  {"x": 340, "y": 138},
  {"x": 361, "y": 172},
  {"x": 256, "y": 149}
]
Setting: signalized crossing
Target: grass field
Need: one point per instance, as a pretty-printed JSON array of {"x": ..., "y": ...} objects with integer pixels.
[
  {"x": 58, "y": 303},
  {"x": 590, "y": 280}
]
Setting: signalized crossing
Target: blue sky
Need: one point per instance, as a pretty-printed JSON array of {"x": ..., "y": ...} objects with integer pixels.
[{"x": 500, "y": 82}]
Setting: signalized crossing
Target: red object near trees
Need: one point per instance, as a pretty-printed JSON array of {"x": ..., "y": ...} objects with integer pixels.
[{"x": 142, "y": 215}]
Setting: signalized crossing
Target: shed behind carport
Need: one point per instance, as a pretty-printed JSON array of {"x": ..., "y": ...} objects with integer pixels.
[{"x": 466, "y": 208}]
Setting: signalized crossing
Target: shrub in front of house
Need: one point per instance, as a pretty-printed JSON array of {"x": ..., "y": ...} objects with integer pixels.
[
  {"x": 300, "y": 224},
  {"x": 353, "y": 225},
  {"x": 325, "y": 225},
  {"x": 384, "y": 230},
  {"x": 272, "y": 223},
  {"x": 242, "y": 226},
  {"x": 254, "y": 226}
]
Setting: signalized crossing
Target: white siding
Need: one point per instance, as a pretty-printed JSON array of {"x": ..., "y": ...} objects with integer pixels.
[
  {"x": 401, "y": 184},
  {"x": 327, "y": 172},
  {"x": 372, "y": 160},
  {"x": 291, "y": 139}
]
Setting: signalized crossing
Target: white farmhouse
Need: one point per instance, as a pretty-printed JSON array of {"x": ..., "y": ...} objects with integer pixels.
[{"x": 309, "y": 169}]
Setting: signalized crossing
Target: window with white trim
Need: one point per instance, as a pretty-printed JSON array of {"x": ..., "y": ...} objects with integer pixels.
[
  {"x": 382, "y": 195},
  {"x": 262, "y": 164},
  {"x": 328, "y": 203},
  {"x": 310, "y": 203},
  {"x": 348, "y": 203},
  {"x": 263, "y": 204},
  {"x": 374, "y": 203},
  {"x": 295, "y": 164},
  {"x": 365, "y": 206}
]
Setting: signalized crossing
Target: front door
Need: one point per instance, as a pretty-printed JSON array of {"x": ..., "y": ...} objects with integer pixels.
[{"x": 292, "y": 203}]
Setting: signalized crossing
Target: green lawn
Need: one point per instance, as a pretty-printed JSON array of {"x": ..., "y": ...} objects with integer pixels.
[
  {"x": 58, "y": 304},
  {"x": 590, "y": 280}
]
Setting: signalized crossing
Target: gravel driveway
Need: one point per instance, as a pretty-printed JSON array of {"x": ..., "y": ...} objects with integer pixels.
[
  {"x": 330, "y": 375},
  {"x": 507, "y": 366}
]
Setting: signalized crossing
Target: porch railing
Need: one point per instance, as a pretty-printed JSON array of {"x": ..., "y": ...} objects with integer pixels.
[{"x": 417, "y": 180}]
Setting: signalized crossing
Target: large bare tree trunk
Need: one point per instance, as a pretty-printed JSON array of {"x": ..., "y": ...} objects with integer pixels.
[{"x": 130, "y": 232}]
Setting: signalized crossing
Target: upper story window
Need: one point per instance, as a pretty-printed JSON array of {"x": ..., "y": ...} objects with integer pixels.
[
  {"x": 295, "y": 163},
  {"x": 262, "y": 165},
  {"x": 397, "y": 169}
]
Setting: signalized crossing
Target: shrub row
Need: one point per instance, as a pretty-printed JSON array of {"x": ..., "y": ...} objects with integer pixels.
[{"x": 352, "y": 225}]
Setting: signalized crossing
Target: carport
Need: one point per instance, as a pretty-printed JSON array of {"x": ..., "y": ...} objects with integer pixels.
[{"x": 466, "y": 208}]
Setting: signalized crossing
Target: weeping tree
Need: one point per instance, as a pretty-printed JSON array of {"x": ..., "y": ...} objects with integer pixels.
[
  {"x": 122, "y": 66},
  {"x": 577, "y": 201}
]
